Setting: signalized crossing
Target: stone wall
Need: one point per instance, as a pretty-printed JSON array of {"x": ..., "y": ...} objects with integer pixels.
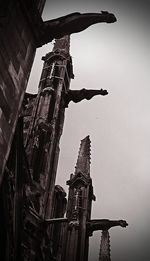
[{"x": 17, "y": 51}]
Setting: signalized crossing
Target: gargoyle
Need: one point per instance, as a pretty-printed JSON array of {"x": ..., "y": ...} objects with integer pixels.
[
  {"x": 104, "y": 224},
  {"x": 79, "y": 95},
  {"x": 73, "y": 23}
]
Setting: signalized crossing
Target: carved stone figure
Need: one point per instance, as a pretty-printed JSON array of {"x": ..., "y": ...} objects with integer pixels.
[
  {"x": 104, "y": 224},
  {"x": 73, "y": 23},
  {"x": 79, "y": 95}
]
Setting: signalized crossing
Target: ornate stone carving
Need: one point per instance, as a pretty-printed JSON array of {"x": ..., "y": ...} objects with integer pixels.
[
  {"x": 79, "y": 95},
  {"x": 104, "y": 224},
  {"x": 47, "y": 90},
  {"x": 73, "y": 23},
  {"x": 45, "y": 31},
  {"x": 74, "y": 224}
]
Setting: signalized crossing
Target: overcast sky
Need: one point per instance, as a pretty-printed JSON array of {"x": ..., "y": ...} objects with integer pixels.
[{"x": 115, "y": 57}]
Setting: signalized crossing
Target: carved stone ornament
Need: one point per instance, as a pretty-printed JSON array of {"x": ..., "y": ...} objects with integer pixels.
[
  {"x": 79, "y": 179},
  {"x": 73, "y": 224},
  {"x": 47, "y": 90}
]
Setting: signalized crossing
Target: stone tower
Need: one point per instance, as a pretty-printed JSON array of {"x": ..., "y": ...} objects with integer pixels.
[
  {"x": 79, "y": 207},
  {"x": 44, "y": 127}
]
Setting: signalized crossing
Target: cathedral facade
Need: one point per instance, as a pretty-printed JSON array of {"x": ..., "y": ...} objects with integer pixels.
[
  {"x": 33, "y": 208},
  {"x": 39, "y": 222}
]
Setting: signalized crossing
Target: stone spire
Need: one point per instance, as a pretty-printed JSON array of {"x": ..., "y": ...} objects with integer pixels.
[
  {"x": 79, "y": 206},
  {"x": 104, "y": 254},
  {"x": 83, "y": 161}
]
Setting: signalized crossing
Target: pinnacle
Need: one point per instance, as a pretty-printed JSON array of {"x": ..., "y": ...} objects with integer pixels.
[
  {"x": 104, "y": 254},
  {"x": 84, "y": 156}
]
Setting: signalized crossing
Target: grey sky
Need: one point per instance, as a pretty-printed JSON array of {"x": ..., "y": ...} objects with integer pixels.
[{"x": 115, "y": 57}]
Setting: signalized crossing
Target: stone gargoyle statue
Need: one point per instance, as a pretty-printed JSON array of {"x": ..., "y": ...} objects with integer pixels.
[
  {"x": 73, "y": 23},
  {"x": 79, "y": 95},
  {"x": 104, "y": 224}
]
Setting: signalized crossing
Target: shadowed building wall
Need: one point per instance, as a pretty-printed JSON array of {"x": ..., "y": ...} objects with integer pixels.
[
  {"x": 17, "y": 51},
  {"x": 28, "y": 192}
]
